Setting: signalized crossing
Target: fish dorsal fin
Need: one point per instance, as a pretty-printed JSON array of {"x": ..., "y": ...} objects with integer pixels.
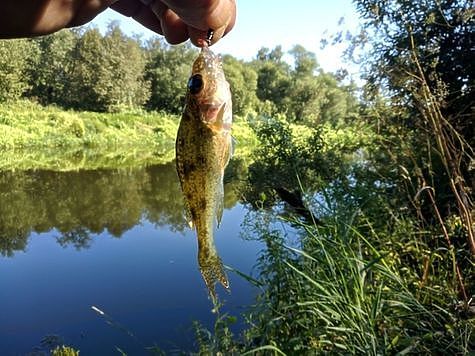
[{"x": 220, "y": 117}]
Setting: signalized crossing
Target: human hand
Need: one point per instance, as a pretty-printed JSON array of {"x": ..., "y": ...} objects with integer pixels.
[
  {"x": 182, "y": 19},
  {"x": 177, "y": 20}
]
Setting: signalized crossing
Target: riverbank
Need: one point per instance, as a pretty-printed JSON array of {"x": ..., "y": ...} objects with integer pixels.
[{"x": 37, "y": 137}]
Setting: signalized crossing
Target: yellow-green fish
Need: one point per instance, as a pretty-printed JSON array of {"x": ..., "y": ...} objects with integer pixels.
[{"x": 203, "y": 150}]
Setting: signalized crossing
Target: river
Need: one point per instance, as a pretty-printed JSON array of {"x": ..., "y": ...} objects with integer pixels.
[{"x": 103, "y": 260}]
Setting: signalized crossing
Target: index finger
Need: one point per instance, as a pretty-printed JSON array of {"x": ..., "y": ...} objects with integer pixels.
[
  {"x": 140, "y": 12},
  {"x": 204, "y": 14}
]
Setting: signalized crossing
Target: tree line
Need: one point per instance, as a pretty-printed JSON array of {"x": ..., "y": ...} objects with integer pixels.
[{"x": 84, "y": 69}]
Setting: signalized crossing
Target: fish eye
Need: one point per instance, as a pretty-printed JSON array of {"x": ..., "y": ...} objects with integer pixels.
[{"x": 195, "y": 84}]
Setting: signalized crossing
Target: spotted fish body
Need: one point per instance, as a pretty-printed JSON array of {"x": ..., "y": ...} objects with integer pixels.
[{"x": 203, "y": 150}]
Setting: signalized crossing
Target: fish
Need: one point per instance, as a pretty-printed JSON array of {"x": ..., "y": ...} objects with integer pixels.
[{"x": 203, "y": 149}]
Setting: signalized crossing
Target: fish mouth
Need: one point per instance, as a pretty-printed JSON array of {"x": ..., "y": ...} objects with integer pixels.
[{"x": 210, "y": 111}]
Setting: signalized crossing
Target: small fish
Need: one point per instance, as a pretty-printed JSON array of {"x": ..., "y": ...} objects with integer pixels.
[{"x": 203, "y": 150}]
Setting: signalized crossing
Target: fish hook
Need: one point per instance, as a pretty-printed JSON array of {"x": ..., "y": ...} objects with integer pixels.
[{"x": 209, "y": 37}]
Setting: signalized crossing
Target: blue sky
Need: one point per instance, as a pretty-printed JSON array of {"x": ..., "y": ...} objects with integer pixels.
[{"x": 268, "y": 23}]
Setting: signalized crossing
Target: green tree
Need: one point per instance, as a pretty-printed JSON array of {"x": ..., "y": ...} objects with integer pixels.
[
  {"x": 125, "y": 63},
  {"x": 283, "y": 161},
  {"x": 303, "y": 92},
  {"x": 168, "y": 69},
  {"x": 274, "y": 84},
  {"x": 50, "y": 74},
  {"x": 421, "y": 57},
  {"x": 340, "y": 104},
  {"x": 107, "y": 72},
  {"x": 274, "y": 55},
  {"x": 84, "y": 87},
  {"x": 305, "y": 62},
  {"x": 15, "y": 59},
  {"x": 441, "y": 35},
  {"x": 243, "y": 81}
]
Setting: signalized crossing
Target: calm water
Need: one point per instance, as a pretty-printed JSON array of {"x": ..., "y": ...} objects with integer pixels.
[{"x": 115, "y": 240}]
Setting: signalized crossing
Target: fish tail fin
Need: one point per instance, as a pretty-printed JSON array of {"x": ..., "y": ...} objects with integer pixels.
[{"x": 212, "y": 270}]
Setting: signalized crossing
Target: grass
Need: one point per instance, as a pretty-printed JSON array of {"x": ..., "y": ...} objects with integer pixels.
[
  {"x": 26, "y": 125},
  {"x": 342, "y": 292},
  {"x": 37, "y": 137},
  {"x": 76, "y": 159}
]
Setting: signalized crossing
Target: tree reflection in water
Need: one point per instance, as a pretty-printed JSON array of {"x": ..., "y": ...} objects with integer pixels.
[
  {"x": 78, "y": 205},
  {"x": 81, "y": 204}
]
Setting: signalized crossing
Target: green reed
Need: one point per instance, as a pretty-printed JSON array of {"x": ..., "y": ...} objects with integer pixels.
[{"x": 348, "y": 289}]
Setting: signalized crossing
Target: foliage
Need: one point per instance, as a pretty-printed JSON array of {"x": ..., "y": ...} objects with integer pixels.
[
  {"x": 83, "y": 69},
  {"x": 385, "y": 178},
  {"x": 303, "y": 93},
  {"x": 30, "y": 136},
  {"x": 386, "y": 268},
  {"x": 25, "y": 125},
  {"x": 414, "y": 51},
  {"x": 339, "y": 292},
  {"x": 292, "y": 157},
  {"x": 168, "y": 69},
  {"x": 15, "y": 56},
  {"x": 366, "y": 282},
  {"x": 87, "y": 202},
  {"x": 49, "y": 75},
  {"x": 218, "y": 342},
  {"x": 281, "y": 159},
  {"x": 441, "y": 33},
  {"x": 273, "y": 85},
  {"x": 76, "y": 69},
  {"x": 107, "y": 72},
  {"x": 242, "y": 79}
]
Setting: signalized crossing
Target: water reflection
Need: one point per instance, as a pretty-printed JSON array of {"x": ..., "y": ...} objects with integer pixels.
[
  {"x": 128, "y": 250},
  {"x": 80, "y": 204}
]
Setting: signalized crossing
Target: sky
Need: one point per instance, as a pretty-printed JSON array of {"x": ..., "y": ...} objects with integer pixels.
[{"x": 268, "y": 23}]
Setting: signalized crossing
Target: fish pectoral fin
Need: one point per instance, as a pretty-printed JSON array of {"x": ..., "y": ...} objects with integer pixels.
[
  {"x": 220, "y": 115},
  {"x": 187, "y": 213},
  {"x": 228, "y": 152}
]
